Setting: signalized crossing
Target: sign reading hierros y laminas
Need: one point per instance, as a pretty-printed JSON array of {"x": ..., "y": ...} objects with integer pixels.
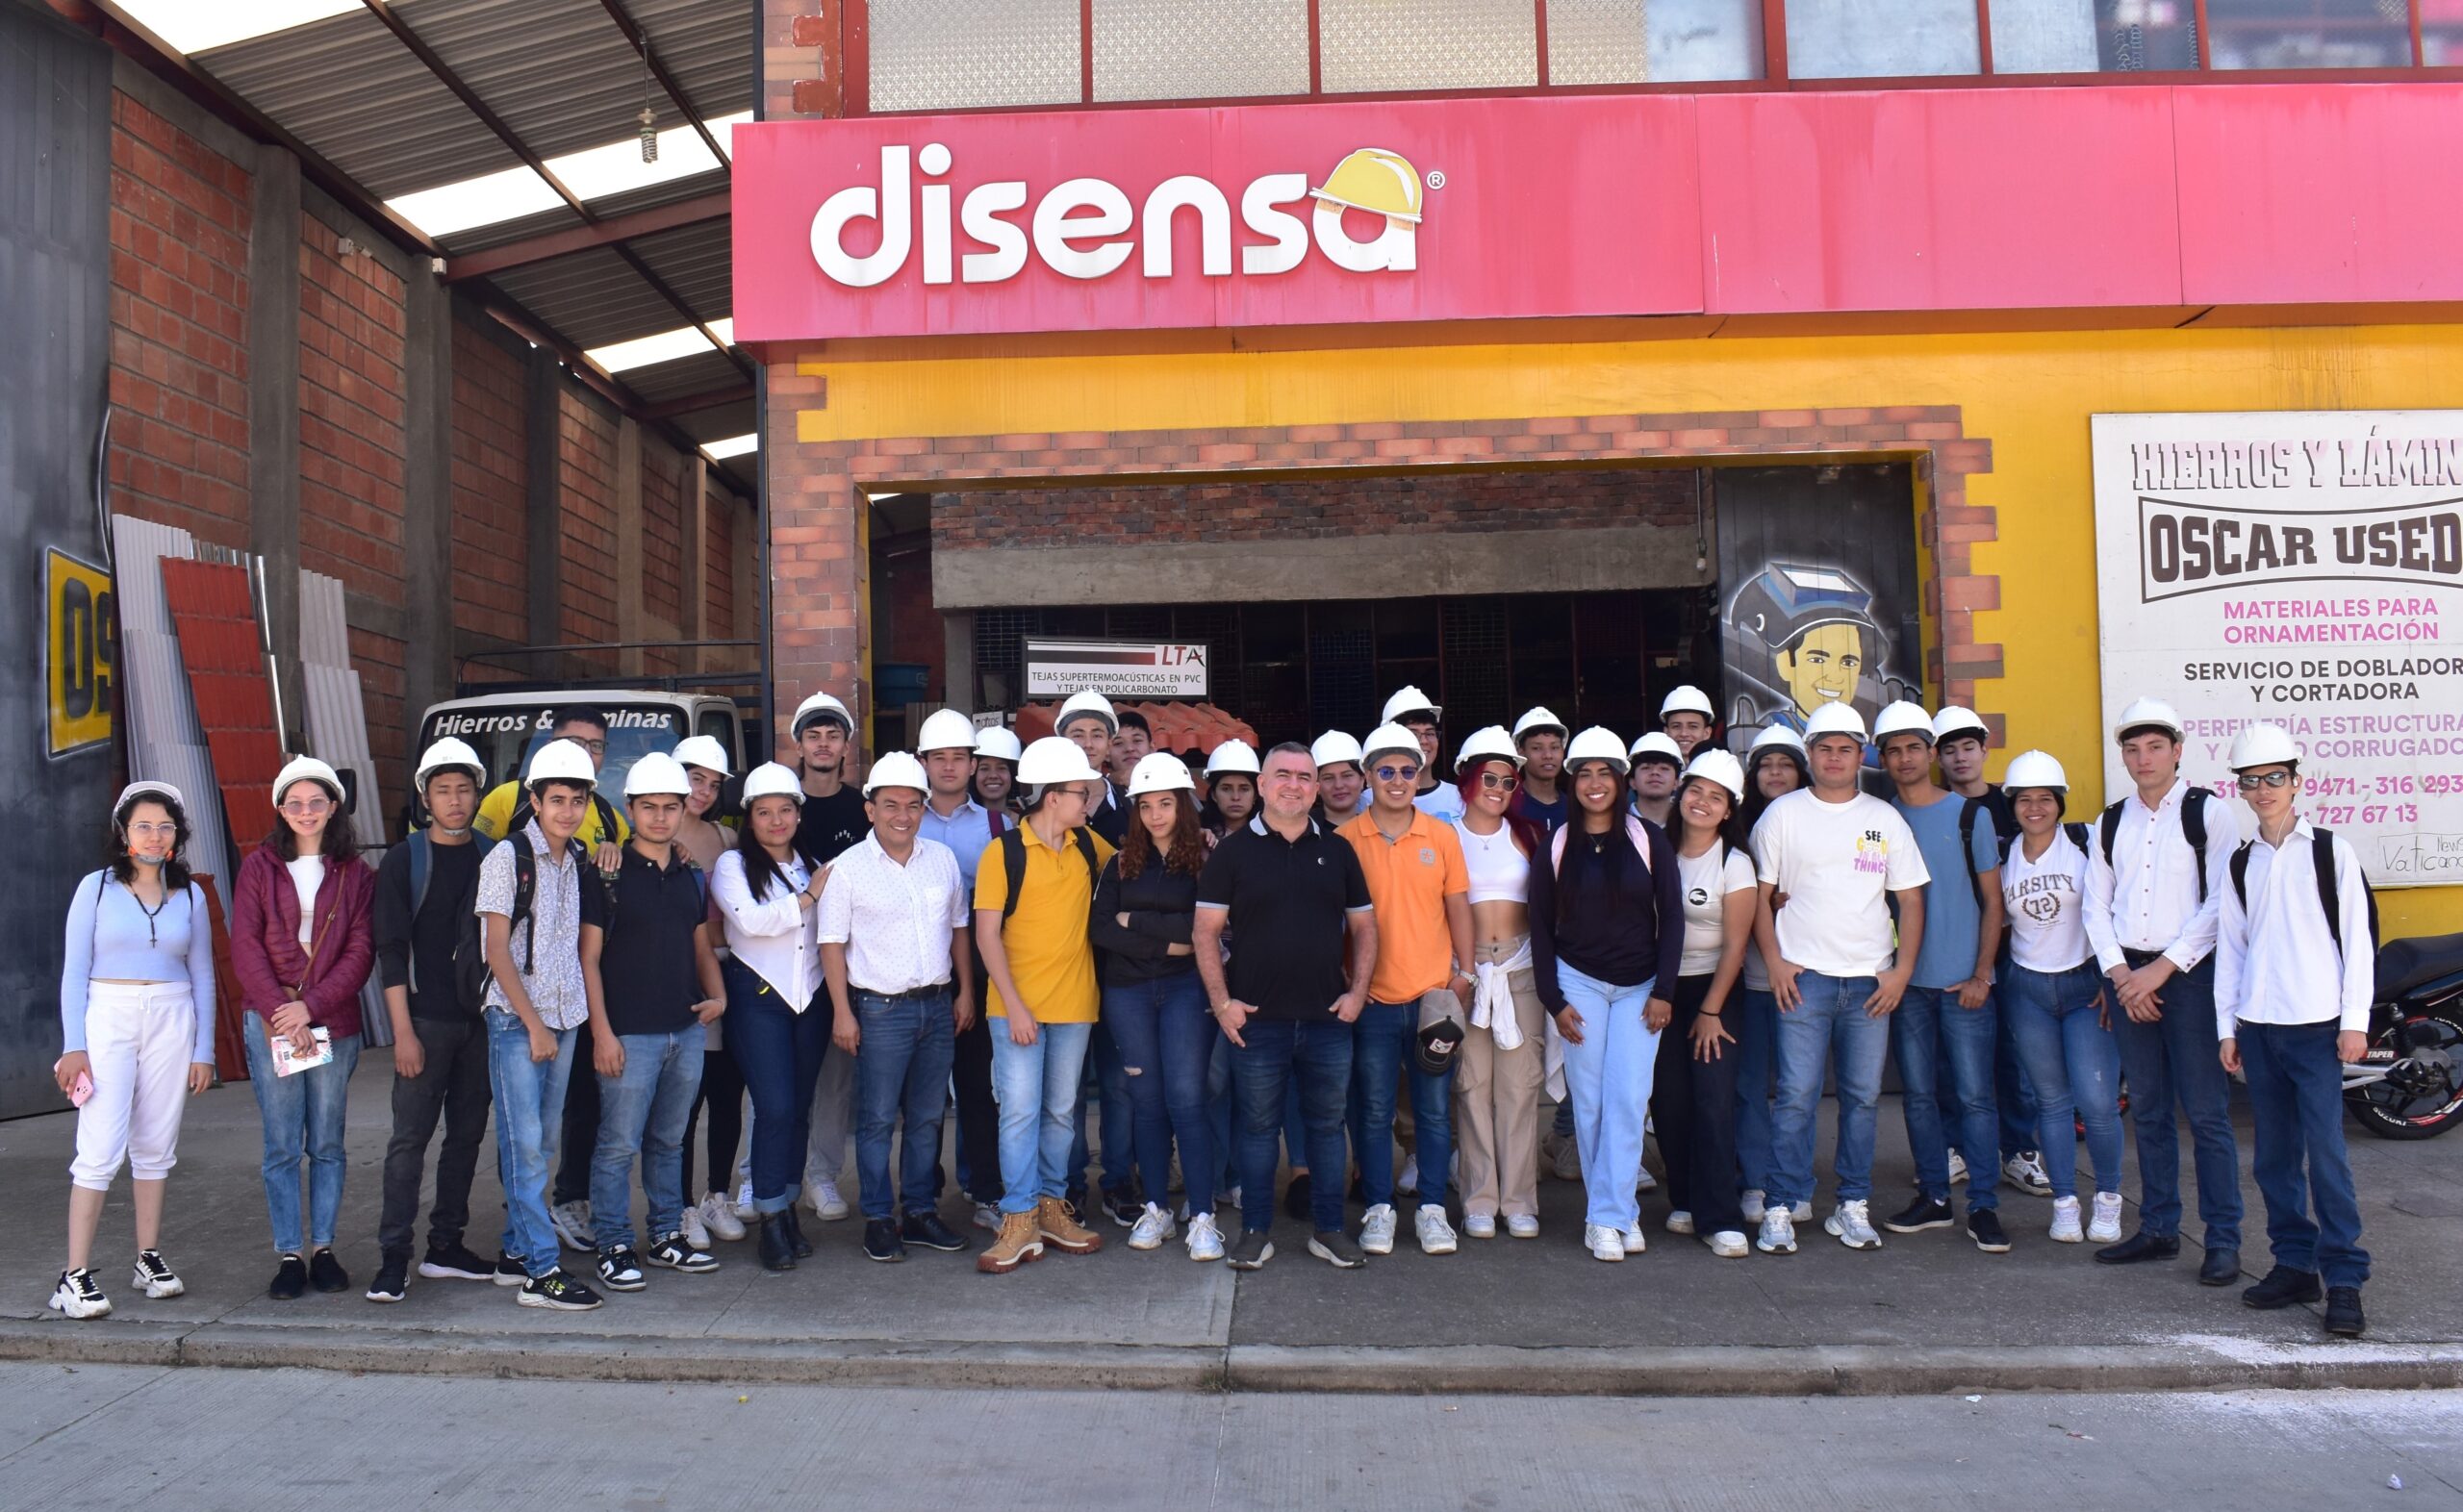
[{"x": 2305, "y": 567}]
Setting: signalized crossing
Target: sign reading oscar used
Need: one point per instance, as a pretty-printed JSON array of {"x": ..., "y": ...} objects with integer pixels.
[{"x": 2307, "y": 569}]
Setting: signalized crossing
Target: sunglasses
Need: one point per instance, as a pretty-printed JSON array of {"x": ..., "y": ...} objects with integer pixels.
[
  {"x": 1499, "y": 781},
  {"x": 2251, "y": 782},
  {"x": 1396, "y": 774}
]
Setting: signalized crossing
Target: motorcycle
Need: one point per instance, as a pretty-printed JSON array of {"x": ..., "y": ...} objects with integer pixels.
[{"x": 2409, "y": 1084}]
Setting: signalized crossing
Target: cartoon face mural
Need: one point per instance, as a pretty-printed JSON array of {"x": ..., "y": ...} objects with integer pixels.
[{"x": 1799, "y": 636}]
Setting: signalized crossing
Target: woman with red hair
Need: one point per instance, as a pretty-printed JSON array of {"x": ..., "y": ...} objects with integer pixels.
[{"x": 1496, "y": 1089}]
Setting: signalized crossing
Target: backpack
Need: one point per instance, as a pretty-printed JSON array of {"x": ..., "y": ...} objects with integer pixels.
[
  {"x": 525, "y": 887},
  {"x": 522, "y": 815},
  {"x": 1013, "y": 863},
  {"x": 2194, "y": 804},
  {"x": 2322, "y": 862},
  {"x": 470, "y": 947},
  {"x": 1967, "y": 843},
  {"x": 2077, "y": 834}
]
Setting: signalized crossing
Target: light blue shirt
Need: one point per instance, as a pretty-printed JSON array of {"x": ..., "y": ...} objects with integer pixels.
[
  {"x": 1444, "y": 801},
  {"x": 965, "y": 832},
  {"x": 111, "y": 938},
  {"x": 1952, "y": 917}
]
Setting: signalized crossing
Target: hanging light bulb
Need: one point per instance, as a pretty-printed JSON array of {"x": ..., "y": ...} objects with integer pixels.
[{"x": 650, "y": 135}]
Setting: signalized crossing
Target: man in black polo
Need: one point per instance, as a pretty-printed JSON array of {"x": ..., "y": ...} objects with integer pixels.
[{"x": 1285, "y": 890}]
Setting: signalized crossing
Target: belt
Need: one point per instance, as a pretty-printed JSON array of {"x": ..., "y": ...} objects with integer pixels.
[
  {"x": 936, "y": 990},
  {"x": 2137, "y": 958}
]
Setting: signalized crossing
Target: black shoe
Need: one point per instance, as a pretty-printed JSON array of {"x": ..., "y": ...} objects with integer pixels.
[
  {"x": 1124, "y": 1209},
  {"x": 509, "y": 1271},
  {"x": 2138, "y": 1246},
  {"x": 671, "y": 1254},
  {"x": 2220, "y": 1268},
  {"x": 454, "y": 1263},
  {"x": 1251, "y": 1251},
  {"x": 925, "y": 1228},
  {"x": 392, "y": 1279},
  {"x": 796, "y": 1239},
  {"x": 1984, "y": 1227},
  {"x": 1338, "y": 1249},
  {"x": 1296, "y": 1197},
  {"x": 881, "y": 1242},
  {"x": 620, "y": 1270},
  {"x": 778, "y": 1242},
  {"x": 326, "y": 1274},
  {"x": 290, "y": 1281},
  {"x": 557, "y": 1291},
  {"x": 2342, "y": 1312},
  {"x": 1920, "y": 1215},
  {"x": 2282, "y": 1287}
]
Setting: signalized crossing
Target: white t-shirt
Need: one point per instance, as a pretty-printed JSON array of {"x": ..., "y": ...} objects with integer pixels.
[
  {"x": 307, "y": 879},
  {"x": 2046, "y": 899},
  {"x": 1707, "y": 881},
  {"x": 1836, "y": 861}
]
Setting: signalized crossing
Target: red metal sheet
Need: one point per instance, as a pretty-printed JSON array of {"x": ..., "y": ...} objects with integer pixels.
[
  {"x": 216, "y": 618},
  {"x": 230, "y": 1047},
  {"x": 1176, "y": 726}
]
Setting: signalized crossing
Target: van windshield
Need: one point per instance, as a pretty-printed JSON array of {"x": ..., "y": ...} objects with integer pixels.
[{"x": 506, "y": 736}]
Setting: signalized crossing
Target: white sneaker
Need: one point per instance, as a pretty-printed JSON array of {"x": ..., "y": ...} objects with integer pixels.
[
  {"x": 2065, "y": 1222},
  {"x": 154, "y": 1276},
  {"x": 1778, "y": 1232},
  {"x": 719, "y": 1217},
  {"x": 826, "y": 1202},
  {"x": 1851, "y": 1223},
  {"x": 1603, "y": 1242},
  {"x": 1522, "y": 1226},
  {"x": 1205, "y": 1240},
  {"x": 1754, "y": 1196},
  {"x": 1636, "y": 1240},
  {"x": 1679, "y": 1221},
  {"x": 1645, "y": 1181},
  {"x": 1230, "y": 1197},
  {"x": 78, "y": 1295},
  {"x": 2106, "y": 1229},
  {"x": 1480, "y": 1225},
  {"x": 744, "y": 1208},
  {"x": 1409, "y": 1180},
  {"x": 1958, "y": 1168},
  {"x": 697, "y": 1234},
  {"x": 1153, "y": 1227},
  {"x": 2025, "y": 1171},
  {"x": 571, "y": 1224},
  {"x": 1377, "y": 1229},
  {"x": 1802, "y": 1212},
  {"x": 987, "y": 1216},
  {"x": 1436, "y": 1235},
  {"x": 1727, "y": 1244}
]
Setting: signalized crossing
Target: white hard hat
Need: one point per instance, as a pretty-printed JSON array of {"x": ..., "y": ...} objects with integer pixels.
[
  {"x": 2144, "y": 712},
  {"x": 446, "y": 755},
  {"x": 1838, "y": 718},
  {"x": 2035, "y": 769},
  {"x": 1685, "y": 699},
  {"x": 1160, "y": 772},
  {"x": 1088, "y": 703},
  {"x": 1408, "y": 699},
  {"x": 1334, "y": 747},
  {"x": 820, "y": 706},
  {"x": 1389, "y": 737},
  {"x": 897, "y": 770},
  {"x": 656, "y": 772},
  {"x": 149, "y": 788},
  {"x": 1232, "y": 756},
  {"x": 771, "y": 780},
  {"x": 1778, "y": 735},
  {"x": 1491, "y": 744},
  {"x": 2263, "y": 745},
  {"x": 1955, "y": 720},
  {"x": 1056, "y": 758},
  {"x": 704, "y": 751},
  {"x": 1721, "y": 767},
  {"x": 561, "y": 761},
  {"x": 1902, "y": 719},
  {"x": 999, "y": 743},
  {"x": 946, "y": 731},
  {"x": 307, "y": 769},
  {"x": 1656, "y": 745},
  {"x": 1598, "y": 744},
  {"x": 1536, "y": 718}
]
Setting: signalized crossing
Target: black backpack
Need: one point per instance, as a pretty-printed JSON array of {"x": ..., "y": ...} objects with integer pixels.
[
  {"x": 2077, "y": 834},
  {"x": 2192, "y": 829},
  {"x": 1013, "y": 863},
  {"x": 526, "y": 887},
  {"x": 1967, "y": 842},
  {"x": 469, "y": 945},
  {"x": 2322, "y": 862}
]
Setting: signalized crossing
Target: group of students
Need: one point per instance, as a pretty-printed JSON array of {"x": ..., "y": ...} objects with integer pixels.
[{"x": 1337, "y": 945}]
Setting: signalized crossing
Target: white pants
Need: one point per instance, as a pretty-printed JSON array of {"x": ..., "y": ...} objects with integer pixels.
[{"x": 138, "y": 1041}]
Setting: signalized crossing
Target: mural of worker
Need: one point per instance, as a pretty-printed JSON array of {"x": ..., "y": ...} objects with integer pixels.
[{"x": 1798, "y": 635}]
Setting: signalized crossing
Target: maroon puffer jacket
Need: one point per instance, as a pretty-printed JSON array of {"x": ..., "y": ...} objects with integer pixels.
[{"x": 266, "y": 951}]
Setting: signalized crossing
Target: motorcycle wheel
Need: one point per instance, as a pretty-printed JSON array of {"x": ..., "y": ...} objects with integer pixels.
[{"x": 2391, "y": 1112}]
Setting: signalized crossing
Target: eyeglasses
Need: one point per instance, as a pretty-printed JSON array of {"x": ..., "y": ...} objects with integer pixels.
[
  {"x": 1499, "y": 781},
  {"x": 153, "y": 831},
  {"x": 594, "y": 747},
  {"x": 2252, "y": 781},
  {"x": 1396, "y": 774},
  {"x": 307, "y": 808}
]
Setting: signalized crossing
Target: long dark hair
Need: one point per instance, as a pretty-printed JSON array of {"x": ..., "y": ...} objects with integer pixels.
[
  {"x": 1620, "y": 856},
  {"x": 760, "y": 868},
  {"x": 123, "y": 870},
  {"x": 1728, "y": 831},
  {"x": 1189, "y": 846},
  {"x": 338, "y": 846},
  {"x": 1755, "y": 804},
  {"x": 1526, "y": 832}
]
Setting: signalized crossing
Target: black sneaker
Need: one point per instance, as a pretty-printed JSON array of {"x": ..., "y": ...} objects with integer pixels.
[
  {"x": 454, "y": 1263},
  {"x": 1296, "y": 1197},
  {"x": 1124, "y": 1209},
  {"x": 1984, "y": 1227},
  {"x": 290, "y": 1281},
  {"x": 926, "y": 1229},
  {"x": 622, "y": 1270},
  {"x": 392, "y": 1279},
  {"x": 1251, "y": 1250},
  {"x": 2282, "y": 1287},
  {"x": 509, "y": 1271},
  {"x": 558, "y": 1291},
  {"x": 1920, "y": 1215},
  {"x": 672, "y": 1253},
  {"x": 881, "y": 1242},
  {"x": 2344, "y": 1317},
  {"x": 326, "y": 1274},
  {"x": 1338, "y": 1249}
]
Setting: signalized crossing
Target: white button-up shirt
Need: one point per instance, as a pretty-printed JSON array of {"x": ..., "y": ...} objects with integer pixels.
[
  {"x": 773, "y": 935},
  {"x": 2147, "y": 898},
  {"x": 2275, "y": 960},
  {"x": 895, "y": 919}
]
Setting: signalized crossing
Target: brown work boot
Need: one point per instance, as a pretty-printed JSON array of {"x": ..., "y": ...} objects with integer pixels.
[
  {"x": 1014, "y": 1246},
  {"x": 1062, "y": 1229}
]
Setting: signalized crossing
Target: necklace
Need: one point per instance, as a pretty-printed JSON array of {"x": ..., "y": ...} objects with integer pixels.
[{"x": 149, "y": 913}]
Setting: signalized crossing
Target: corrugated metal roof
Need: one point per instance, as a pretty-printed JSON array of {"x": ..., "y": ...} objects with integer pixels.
[
  {"x": 591, "y": 298},
  {"x": 706, "y": 372},
  {"x": 698, "y": 262}
]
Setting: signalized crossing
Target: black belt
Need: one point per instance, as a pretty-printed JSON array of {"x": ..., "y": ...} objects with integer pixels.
[
  {"x": 2139, "y": 958},
  {"x": 937, "y": 990}
]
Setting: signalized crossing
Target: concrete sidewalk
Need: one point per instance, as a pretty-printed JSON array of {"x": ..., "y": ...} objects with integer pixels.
[{"x": 1926, "y": 1313}]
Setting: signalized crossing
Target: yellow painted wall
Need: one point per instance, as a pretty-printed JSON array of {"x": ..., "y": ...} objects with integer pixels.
[{"x": 2030, "y": 394}]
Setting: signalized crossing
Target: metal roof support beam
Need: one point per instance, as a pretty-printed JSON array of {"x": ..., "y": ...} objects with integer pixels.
[
  {"x": 641, "y": 44},
  {"x": 689, "y": 403},
  {"x": 582, "y": 238}
]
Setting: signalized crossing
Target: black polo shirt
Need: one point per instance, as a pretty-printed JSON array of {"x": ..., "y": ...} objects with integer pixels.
[
  {"x": 1288, "y": 902},
  {"x": 647, "y": 969},
  {"x": 829, "y": 825}
]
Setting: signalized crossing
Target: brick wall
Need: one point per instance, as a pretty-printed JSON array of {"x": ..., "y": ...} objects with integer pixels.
[
  {"x": 179, "y": 382},
  {"x": 490, "y": 477},
  {"x": 586, "y": 455},
  {"x": 717, "y": 576},
  {"x": 664, "y": 481}
]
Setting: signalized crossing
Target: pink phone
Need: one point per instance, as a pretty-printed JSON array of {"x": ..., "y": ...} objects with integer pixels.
[{"x": 81, "y": 1089}]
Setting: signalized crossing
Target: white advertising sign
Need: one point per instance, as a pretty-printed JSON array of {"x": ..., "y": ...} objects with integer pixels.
[
  {"x": 2305, "y": 567},
  {"x": 1118, "y": 670}
]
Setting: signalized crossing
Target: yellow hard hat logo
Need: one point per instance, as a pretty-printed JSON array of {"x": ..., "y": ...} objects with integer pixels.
[{"x": 1375, "y": 180}]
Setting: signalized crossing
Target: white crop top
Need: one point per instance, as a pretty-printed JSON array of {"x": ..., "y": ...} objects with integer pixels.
[{"x": 1500, "y": 872}]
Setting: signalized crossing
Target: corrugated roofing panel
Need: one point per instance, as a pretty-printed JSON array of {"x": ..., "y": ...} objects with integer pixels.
[
  {"x": 559, "y": 72},
  {"x": 591, "y": 298},
  {"x": 709, "y": 49},
  {"x": 704, "y": 372},
  {"x": 698, "y": 261}
]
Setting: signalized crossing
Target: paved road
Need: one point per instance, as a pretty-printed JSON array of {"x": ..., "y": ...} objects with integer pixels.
[{"x": 197, "y": 1440}]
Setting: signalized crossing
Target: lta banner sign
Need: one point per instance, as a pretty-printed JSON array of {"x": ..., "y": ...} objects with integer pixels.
[{"x": 2303, "y": 568}]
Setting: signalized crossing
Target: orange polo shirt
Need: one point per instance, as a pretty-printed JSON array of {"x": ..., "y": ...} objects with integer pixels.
[{"x": 1408, "y": 881}]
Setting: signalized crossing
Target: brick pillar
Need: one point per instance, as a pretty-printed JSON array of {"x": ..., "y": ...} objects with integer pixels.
[{"x": 632, "y": 620}]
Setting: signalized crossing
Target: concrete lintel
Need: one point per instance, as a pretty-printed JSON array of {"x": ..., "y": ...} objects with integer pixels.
[
  {"x": 273, "y": 416},
  {"x": 363, "y": 613}
]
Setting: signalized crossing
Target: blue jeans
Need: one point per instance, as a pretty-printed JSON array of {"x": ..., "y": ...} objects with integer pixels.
[
  {"x": 2014, "y": 1085},
  {"x": 1607, "y": 1079},
  {"x": 779, "y": 1052},
  {"x": 1314, "y": 1057},
  {"x": 2297, "y": 1103},
  {"x": 1754, "y": 1021},
  {"x": 1827, "y": 1024},
  {"x": 643, "y": 1108},
  {"x": 1037, "y": 1087},
  {"x": 2170, "y": 1060},
  {"x": 531, "y": 1116},
  {"x": 302, "y": 1116},
  {"x": 1223, "y": 1105},
  {"x": 902, "y": 1088},
  {"x": 2075, "y": 1067},
  {"x": 1167, "y": 1039},
  {"x": 1946, "y": 1071},
  {"x": 1108, "y": 1080},
  {"x": 1385, "y": 1041}
]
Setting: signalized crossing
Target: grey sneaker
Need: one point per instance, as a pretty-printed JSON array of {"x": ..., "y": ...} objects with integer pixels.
[
  {"x": 572, "y": 1223},
  {"x": 1338, "y": 1249},
  {"x": 1253, "y": 1250}
]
